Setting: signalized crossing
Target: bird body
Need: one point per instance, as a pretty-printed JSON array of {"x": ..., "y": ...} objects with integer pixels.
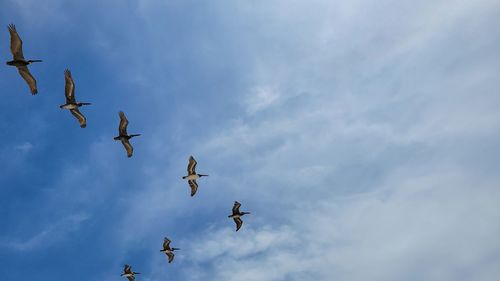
[
  {"x": 73, "y": 105},
  {"x": 192, "y": 175},
  {"x": 69, "y": 106},
  {"x": 125, "y": 137},
  {"x": 16, "y": 48},
  {"x": 19, "y": 63},
  {"x": 235, "y": 216}
]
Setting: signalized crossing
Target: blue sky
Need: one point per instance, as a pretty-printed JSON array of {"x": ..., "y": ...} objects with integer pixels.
[{"x": 363, "y": 137}]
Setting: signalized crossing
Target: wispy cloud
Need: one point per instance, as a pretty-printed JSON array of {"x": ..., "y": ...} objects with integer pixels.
[
  {"x": 24, "y": 147},
  {"x": 260, "y": 98},
  {"x": 52, "y": 233}
]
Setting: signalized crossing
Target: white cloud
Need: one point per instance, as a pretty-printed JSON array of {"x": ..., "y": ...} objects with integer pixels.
[{"x": 436, "y": 226}]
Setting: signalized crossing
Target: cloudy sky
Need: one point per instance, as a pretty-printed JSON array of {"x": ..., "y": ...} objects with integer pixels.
[{"x": 363, "y": 136}]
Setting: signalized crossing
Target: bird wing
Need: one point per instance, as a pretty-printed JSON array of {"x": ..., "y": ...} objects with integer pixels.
[
  {"x": 131, "y": 278},
  {"x": 80, "y": 117},
  {"x": 236, "y": 207},
  {"x": 194, "y": 186},
  {"x": 69, "y": 89},
  {"x": 25, "y": 73},
  {"x": 191, "y": 166},
  {"x": 122, "y": 129},
  {"x": 170, "y": 257},
  {"x": 16, "y": 44},
  {"x": 128, "y": 147},
  {"x": 166, "y": 244},
  {"x": 238, "y": 222},
  {"x": 127, "y": 269}
]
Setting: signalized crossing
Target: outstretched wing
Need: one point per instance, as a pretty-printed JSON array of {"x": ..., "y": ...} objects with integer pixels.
[
  {"x": 127, "y": 269},
  {"x": 122, "y": 129},
  {"x": 128, "y": 147},
  {"x": 238, "y": 222},
  {"x": 194, "y": 186},
  {"x": 25, "y": 73},
  {"x": 236, "y": 207},
  {"x": 69, "y": 89},
  {"x": 80, "y": 117},
  {"x": 191, "y": 166},
  {"x": 16, "y": 44},
  {"x": 170, "y": 257},
  {"x": 166, "y": 244}
]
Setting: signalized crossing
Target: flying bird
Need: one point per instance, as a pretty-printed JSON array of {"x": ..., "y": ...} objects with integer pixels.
[
  {"x": 127, "y": 272},
  {"x": 168, "y": 251},
  {"x": 192, "y": 175},
  {"x": 236, "y": 216},
  {"x": 71, "y": 103},
  {"x": 123, "y": 136},
  {"x": 16, "y": 48}
]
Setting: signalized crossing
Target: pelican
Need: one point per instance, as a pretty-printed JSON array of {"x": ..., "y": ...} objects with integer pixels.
[
  {"x": 127, "y": 272},
  {"x": 236, "y": 216},
  {"x": 16, "y": 48},
  {"x": 123, "y": 136},
  {"x": 168, "y": 251},
  {"x": 192, "y": 175},
  {"x": 71, "y": 104}
]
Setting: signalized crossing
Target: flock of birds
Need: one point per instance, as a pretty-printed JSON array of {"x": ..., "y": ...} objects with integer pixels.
[{"x": 73, "y": 106}]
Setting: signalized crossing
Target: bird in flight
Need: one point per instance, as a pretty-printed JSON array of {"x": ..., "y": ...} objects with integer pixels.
[
  {"x": 192, "y": 175},
  {"x": 71, "y": 103},
  {"x": 16, "y": 48},
  {"x": 127, "y": 272},
  {"x": 123, "y": 136},
  {"x": 168, "y": 251},
  {"x": 236, "y": 216}
]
